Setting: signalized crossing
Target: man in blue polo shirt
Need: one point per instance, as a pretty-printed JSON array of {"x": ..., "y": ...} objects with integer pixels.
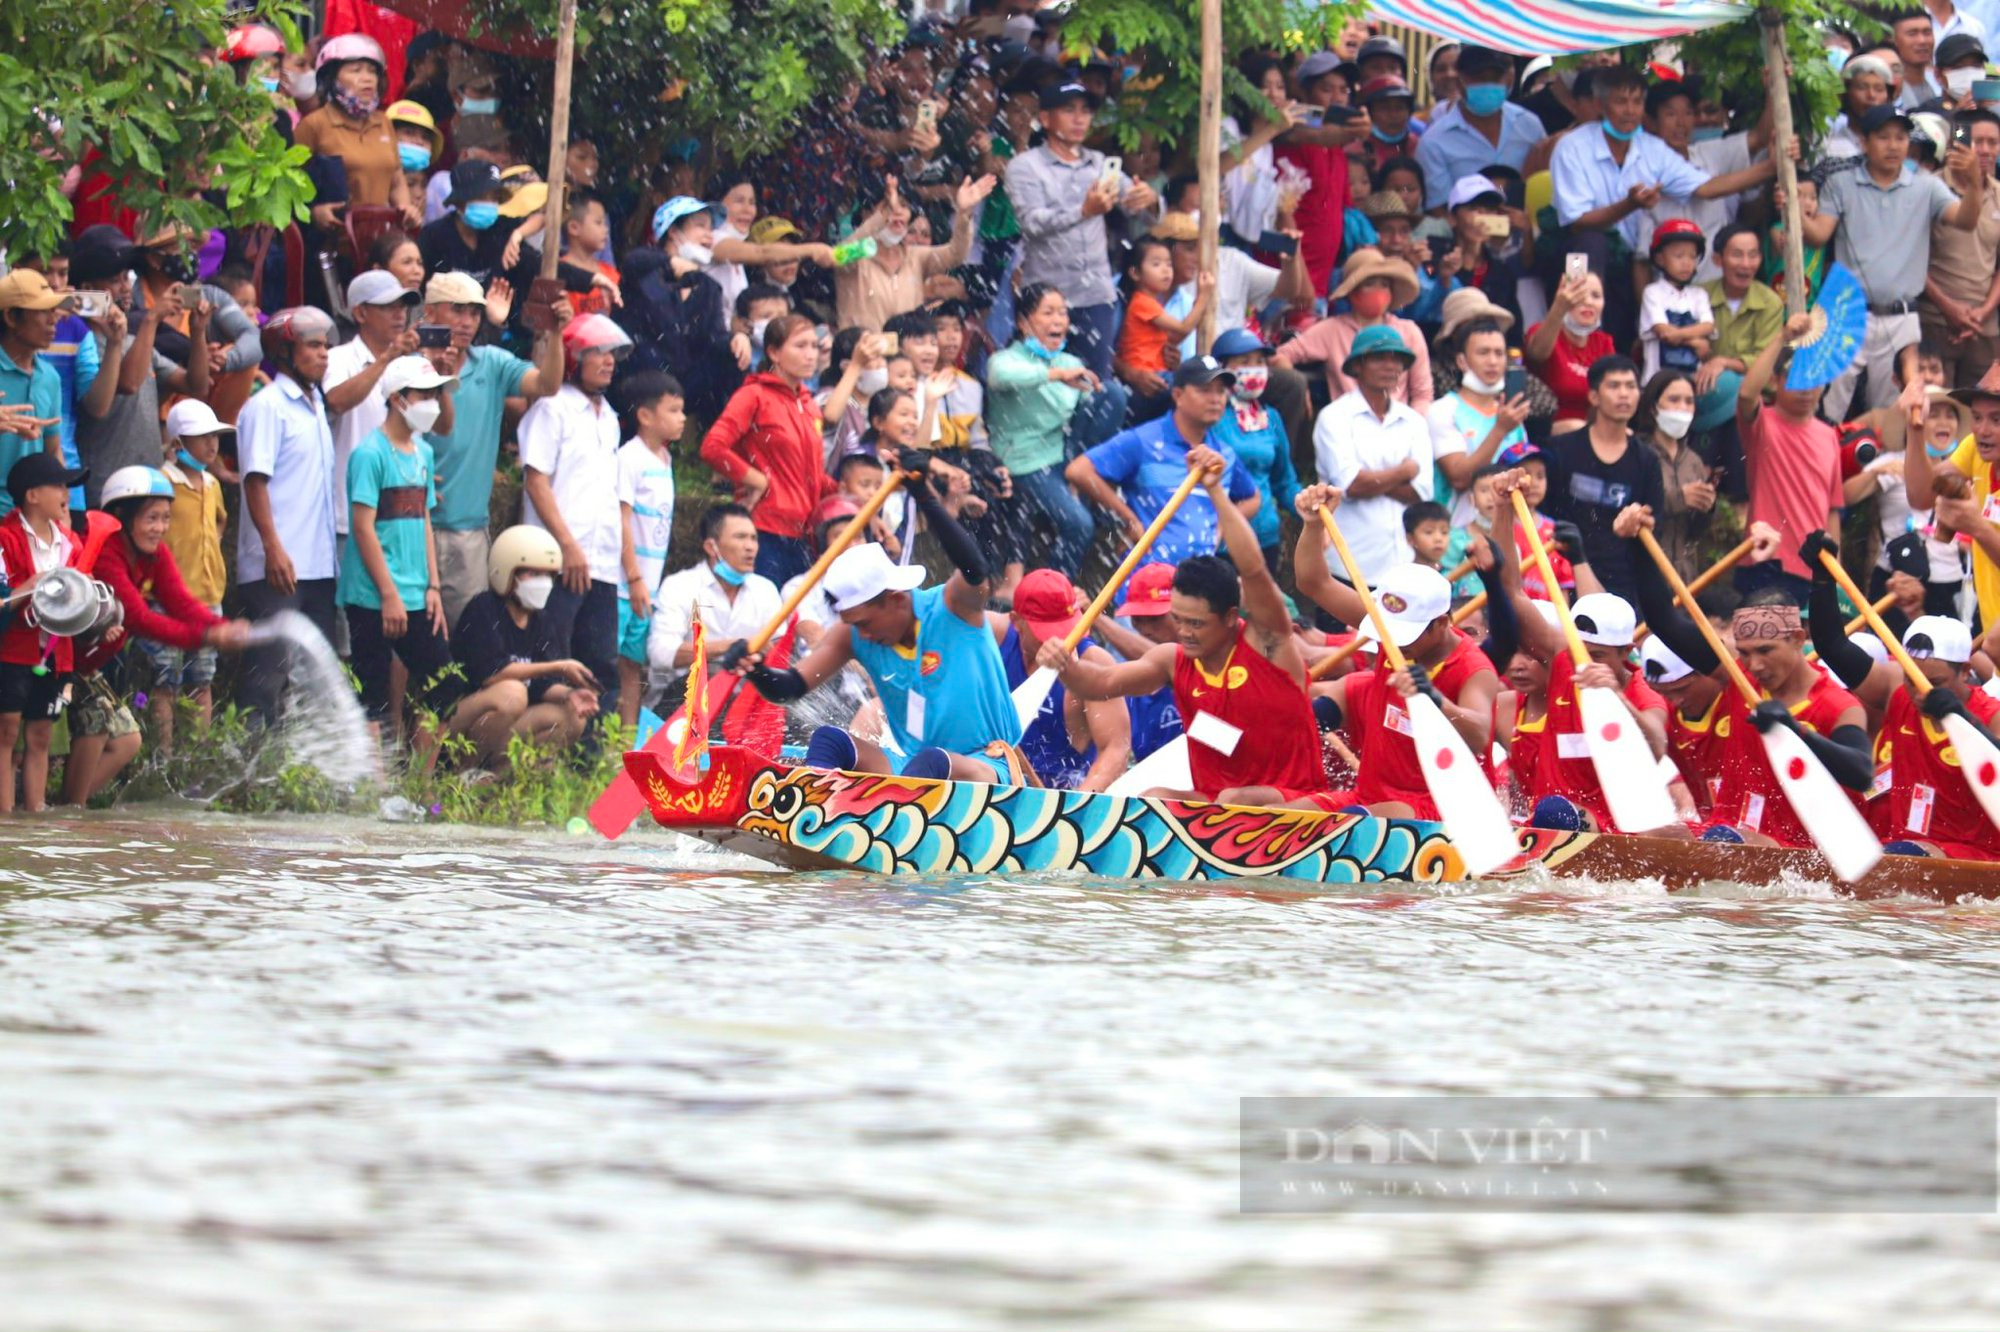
[
  {"x": 29, "y": 309},
  {"x": 1134, "y": 473},
  {"x": 1479, "y": 129}
]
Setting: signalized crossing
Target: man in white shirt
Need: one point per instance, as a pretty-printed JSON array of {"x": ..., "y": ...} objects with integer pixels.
[
  {"x": 1377, "y": 450},
  {"x": 722, "y": 592},
  {"x": 284, "y": 542},
  {"x": 569, "y": 468},
  {"x": 381, "y": 306}
]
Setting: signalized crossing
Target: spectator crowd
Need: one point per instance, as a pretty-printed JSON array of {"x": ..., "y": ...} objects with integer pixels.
[{"x": 508, "y": 504}]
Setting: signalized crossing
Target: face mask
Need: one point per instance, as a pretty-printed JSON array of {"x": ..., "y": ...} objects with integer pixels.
[
  {"x": 728, "y": 573},
  {"x": 1483, "y": 99},
  {"x": 1837, "y": 56},
  {"x": 757, "y": 328},
  {"x": 1708, "y": 133},
  {"x": 1390, "y": 138},
  {"x": 480, "y": 214},
  {"x": 695, "y": 254},
  {"x": 533, "y": 590},
  {"x": 479, "y": 106},
  {"x": 1611, "y": 131},
  {"x": 1251, "y": 381},
  {"x": 1958, "y": 82},
  {"x": 1489, "y": 387},
  {"x": 1037, "y": 350},
  {"x": 413, "y": 157},
  {"x": 1674, "y": 425},
  {"x": 423, "y": 414},
  {"x": 353, "y": 107},
  {"x": 1578, "y": 327},
  {"x": 1372, "y": 303},
  {"x": 270, "y": 85},
  {"x": 187, "y": 460},
  {"x": 301, "y": 84},
  {"x": 870, "y": 382},
  {"x": 893, "y": 236}
]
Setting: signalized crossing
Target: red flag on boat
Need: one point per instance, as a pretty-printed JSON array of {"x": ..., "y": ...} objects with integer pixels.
[{"x": 695, "y": 711}]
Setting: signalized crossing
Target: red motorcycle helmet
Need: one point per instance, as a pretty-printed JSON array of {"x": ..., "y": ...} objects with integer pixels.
[
  {"x": 251, "y": 41},
  {"x": 1679, "y": 229},
  {"x": 591, "y": 332}
]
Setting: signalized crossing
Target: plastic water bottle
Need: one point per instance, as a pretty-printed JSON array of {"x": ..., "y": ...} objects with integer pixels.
[{"x": 853, "y": 251}]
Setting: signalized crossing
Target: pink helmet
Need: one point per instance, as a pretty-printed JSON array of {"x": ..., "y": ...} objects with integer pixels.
[
  {"x": 351, "y": 46},
  {"x": 590, "y": 332},
  {"x": 287, "y": 327},
  {"x": 250, "y": 41}
]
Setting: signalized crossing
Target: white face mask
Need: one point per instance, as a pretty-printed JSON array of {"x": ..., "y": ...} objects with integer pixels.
[
  {"x": 1251, "y": 381},
  {"x": 893, "y": 236},
  {"x": 1674, "y": 425},
  {"x": 1578, "y": 327},
  {"x": 696, "y": 254},
  {"x": 532, "y": 590},
  {"x": 423, "y": 414},
  {"x": 1490, "y": 387},
  {"x": 1958, "y": 82},
  {"x": 870, "y": 382},
  {"x": 302, "y": 83}
]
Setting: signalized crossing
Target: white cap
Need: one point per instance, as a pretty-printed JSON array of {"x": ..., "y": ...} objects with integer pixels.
[
  {"x": 1661, "y": 664},
  {"x": 1872, "y": 645},
  {"x": 1940, "y": 637},
  {"x": 412, "y": 372},
  {"x": 863, "y": 573},
  {"x": 1604, "y": 619},
  {"x": 191, "y": 416},
  {"x": 378, "y": 287},
  {"x": 1467, "y": 188},
  {"x": 1411, "y": 597}
]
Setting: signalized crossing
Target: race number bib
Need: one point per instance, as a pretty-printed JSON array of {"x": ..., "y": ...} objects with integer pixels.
[
  {"x": 1396, "y": 719},
  {"x": 1923, "y": 799},
  {"x": 1217, "y": 734},
  {"x": 913, "y": 714}
]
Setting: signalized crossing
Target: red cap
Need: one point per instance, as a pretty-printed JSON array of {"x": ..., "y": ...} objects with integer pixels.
[
  {"x": 1048, "y": 602},
  {"x": 1150, "y": 592}
]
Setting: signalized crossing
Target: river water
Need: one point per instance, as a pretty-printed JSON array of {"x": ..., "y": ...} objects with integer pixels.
[{"x": 339, "y": 1074}]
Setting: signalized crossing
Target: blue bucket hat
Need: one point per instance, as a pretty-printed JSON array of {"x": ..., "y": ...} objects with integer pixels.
[
  {"x": 1376, "y": 340},
  {"x": 673, "y": 210},
  {"x": 1237, "y": 342}
]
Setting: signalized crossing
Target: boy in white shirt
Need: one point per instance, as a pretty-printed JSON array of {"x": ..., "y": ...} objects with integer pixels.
[
  {"x": 1676, "y": 321},
  {"x": 646, "y": 503}
]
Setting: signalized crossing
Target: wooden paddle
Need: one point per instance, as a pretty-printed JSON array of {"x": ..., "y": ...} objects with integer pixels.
[
  {"x": 1032, "y": 692},
  {"x": 1978, "y": 758},
  {"x": 1842, "y": 835},
  {"x": 620, "y": 802},
  {"x": 1701, "y": 583},
  {"x": 1318, "y": 670},
  {"x": 1472, "y": 815},
  {"x": 1627, "y": 772}
]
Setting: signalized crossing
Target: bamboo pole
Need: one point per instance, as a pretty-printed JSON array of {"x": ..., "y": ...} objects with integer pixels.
[
  {"x": 1210, "y": 154},
  {"x": 1777, "y": 87},
  {"x": 552, "y": 212}
]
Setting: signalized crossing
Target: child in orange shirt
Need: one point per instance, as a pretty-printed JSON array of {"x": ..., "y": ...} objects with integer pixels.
[
  {"x": 1142, "y": 342},
  {"x": 586, "y": 231}
]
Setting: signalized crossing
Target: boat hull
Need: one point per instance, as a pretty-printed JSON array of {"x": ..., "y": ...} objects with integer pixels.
[{"x": 805, "y": 818}]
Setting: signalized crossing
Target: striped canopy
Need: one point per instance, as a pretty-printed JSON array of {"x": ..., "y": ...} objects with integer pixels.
[{"x": 1558, "y": 27}]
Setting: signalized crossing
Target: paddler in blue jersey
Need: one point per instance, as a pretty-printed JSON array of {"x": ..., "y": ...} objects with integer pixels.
[
  {"x": 930, "y": 653},
  {"x": 1072, "y": 745}
]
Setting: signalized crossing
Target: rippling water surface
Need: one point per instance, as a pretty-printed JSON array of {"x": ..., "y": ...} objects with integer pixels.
[{"x": 268, "y": 1075}]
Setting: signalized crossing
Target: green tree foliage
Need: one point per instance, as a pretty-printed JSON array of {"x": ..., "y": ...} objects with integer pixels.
[
  {"x": 1164, "y": 38},
  {"x": 126, "y": 78},
  {"x": 1731, "y": 57}
]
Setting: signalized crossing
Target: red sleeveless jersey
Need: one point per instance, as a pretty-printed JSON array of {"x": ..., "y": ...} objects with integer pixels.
[
  {"x": 1750, "y": 796},
  {"x": 1527, "y": 750},
  {"x": 1565, "y": 768},
  {"x": 1928, "y": 799},
  {"x": 1279, "y": 745},
  {"x": 1376, "y": 720},
  {"x": 1700, "y": 749}
]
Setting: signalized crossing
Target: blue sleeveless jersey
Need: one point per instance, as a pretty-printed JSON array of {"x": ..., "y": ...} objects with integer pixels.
[
  {"x": 1156, "y": 720},
  {"x": 1046, "y": 743},
  {"x": 956, "y": 673}
]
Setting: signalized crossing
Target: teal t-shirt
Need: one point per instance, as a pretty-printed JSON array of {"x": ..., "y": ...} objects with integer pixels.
[
  {"x": 41, "y": 388},
  {"x": 465, "y": 457},
  {"x": 401, "y": 486},
  {"x": 950, "y": 690}
]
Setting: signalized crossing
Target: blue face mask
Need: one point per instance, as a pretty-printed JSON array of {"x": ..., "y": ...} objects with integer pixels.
[
  {"x": 1836, "y": 57},
  {"x": 1391, "y": 138},
  {"x": 1707, "y": 133},
  {"x": 270, "y": 85},
  {"x": 1483, "y": 99},
  {"x": 479, "y": 106},
  {"x": 1611, "y": 131},
  {"x": 1038, "y": 351},
  {"x": 481, "y": 214},
  {"x": 186, "y": 460},
  {"x": 728, "y": 573},
  {"x": 414, "y": 158}
]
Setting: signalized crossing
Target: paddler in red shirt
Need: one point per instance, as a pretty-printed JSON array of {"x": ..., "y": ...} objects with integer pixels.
[
  {"x": 1922, "y": 805},
  {"x": 1235, "y": 669},
  {"x": 1695, "y": 742},
  {"x": 1371, "y": 704}
]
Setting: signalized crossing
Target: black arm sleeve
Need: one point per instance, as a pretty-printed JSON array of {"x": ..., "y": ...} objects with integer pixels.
[
  {"x": 778, "y": 686},
  {"x": 1829, "y": 636},
  {"x": 1503, "y": 631},
  {"x": 1845, "y": 753},
  {"x": 1668, "y": 620},
  {"x": 959, "y": 547}
]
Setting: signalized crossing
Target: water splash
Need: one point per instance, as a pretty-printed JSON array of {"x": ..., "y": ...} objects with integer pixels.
[{"x": 324, "y": 725}]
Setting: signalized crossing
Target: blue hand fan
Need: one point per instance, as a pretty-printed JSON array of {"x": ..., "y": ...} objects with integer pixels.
[{"x": 1839, "y": 322}]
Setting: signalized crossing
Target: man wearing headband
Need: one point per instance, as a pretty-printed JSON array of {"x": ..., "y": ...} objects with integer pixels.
[
  {"x": 1770, "y": 640},
  {"x": 1921, "y": 804}
]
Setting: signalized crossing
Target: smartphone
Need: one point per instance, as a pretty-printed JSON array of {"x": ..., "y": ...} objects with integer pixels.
[
  {"x": 1495, "y": 225},
  {"x": 434, "y": 335},
  {"x": 891, "y": 343},
  {"x": 1114, "y": 172},
  {"x": 1962, "y": 135},
  {"x": 1575, "y": 265},
  {"x": 191, "y": 295},
  {"x": 1340, "y": 115},
  {"x": 1312, "y": 115},
  {"x": 1516, "y": 383},
  {"x": 926, "y": 114},
  {"x": 1277, "y": 242},
  {"x": 88, "y": 304},
  {"x": 1440, "y": 247}
]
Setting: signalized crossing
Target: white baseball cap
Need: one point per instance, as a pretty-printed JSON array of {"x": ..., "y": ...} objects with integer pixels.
[
  {"x": 1661, "y": 663},
  {"x": 412, "y": 372},
  {"x": 1411, "y": 597},
  {"x": 1604, "y": 619},
  {"x": 378, "y": 287},
  {"x": 1939, "y": 636},
  {"x": 863, "y": 573},
  {"x": 191, "y": 416}
]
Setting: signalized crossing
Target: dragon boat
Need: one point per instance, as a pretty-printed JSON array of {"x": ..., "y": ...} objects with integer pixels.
[{"x": 808, "y": 818}]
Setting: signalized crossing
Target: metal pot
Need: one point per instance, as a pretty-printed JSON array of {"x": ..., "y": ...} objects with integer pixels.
[{"x": 67, "y": 602}]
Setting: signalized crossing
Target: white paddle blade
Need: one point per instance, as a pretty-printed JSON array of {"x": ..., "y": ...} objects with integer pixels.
[
  {"x": 1166, "y": 766},
  {"x": 1472, "y": 815},
  {"x": 1031, "y": 693},
  {"x": 1626, "y": 771},
  {"x": 1979, "y": 761},
  {"x": 1837, "y": 828}
]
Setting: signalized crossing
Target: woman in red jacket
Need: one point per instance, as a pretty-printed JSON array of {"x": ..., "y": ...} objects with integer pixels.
[
  {"x": 155, "y": 604},
  {"x": 767, "y": 443}
]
